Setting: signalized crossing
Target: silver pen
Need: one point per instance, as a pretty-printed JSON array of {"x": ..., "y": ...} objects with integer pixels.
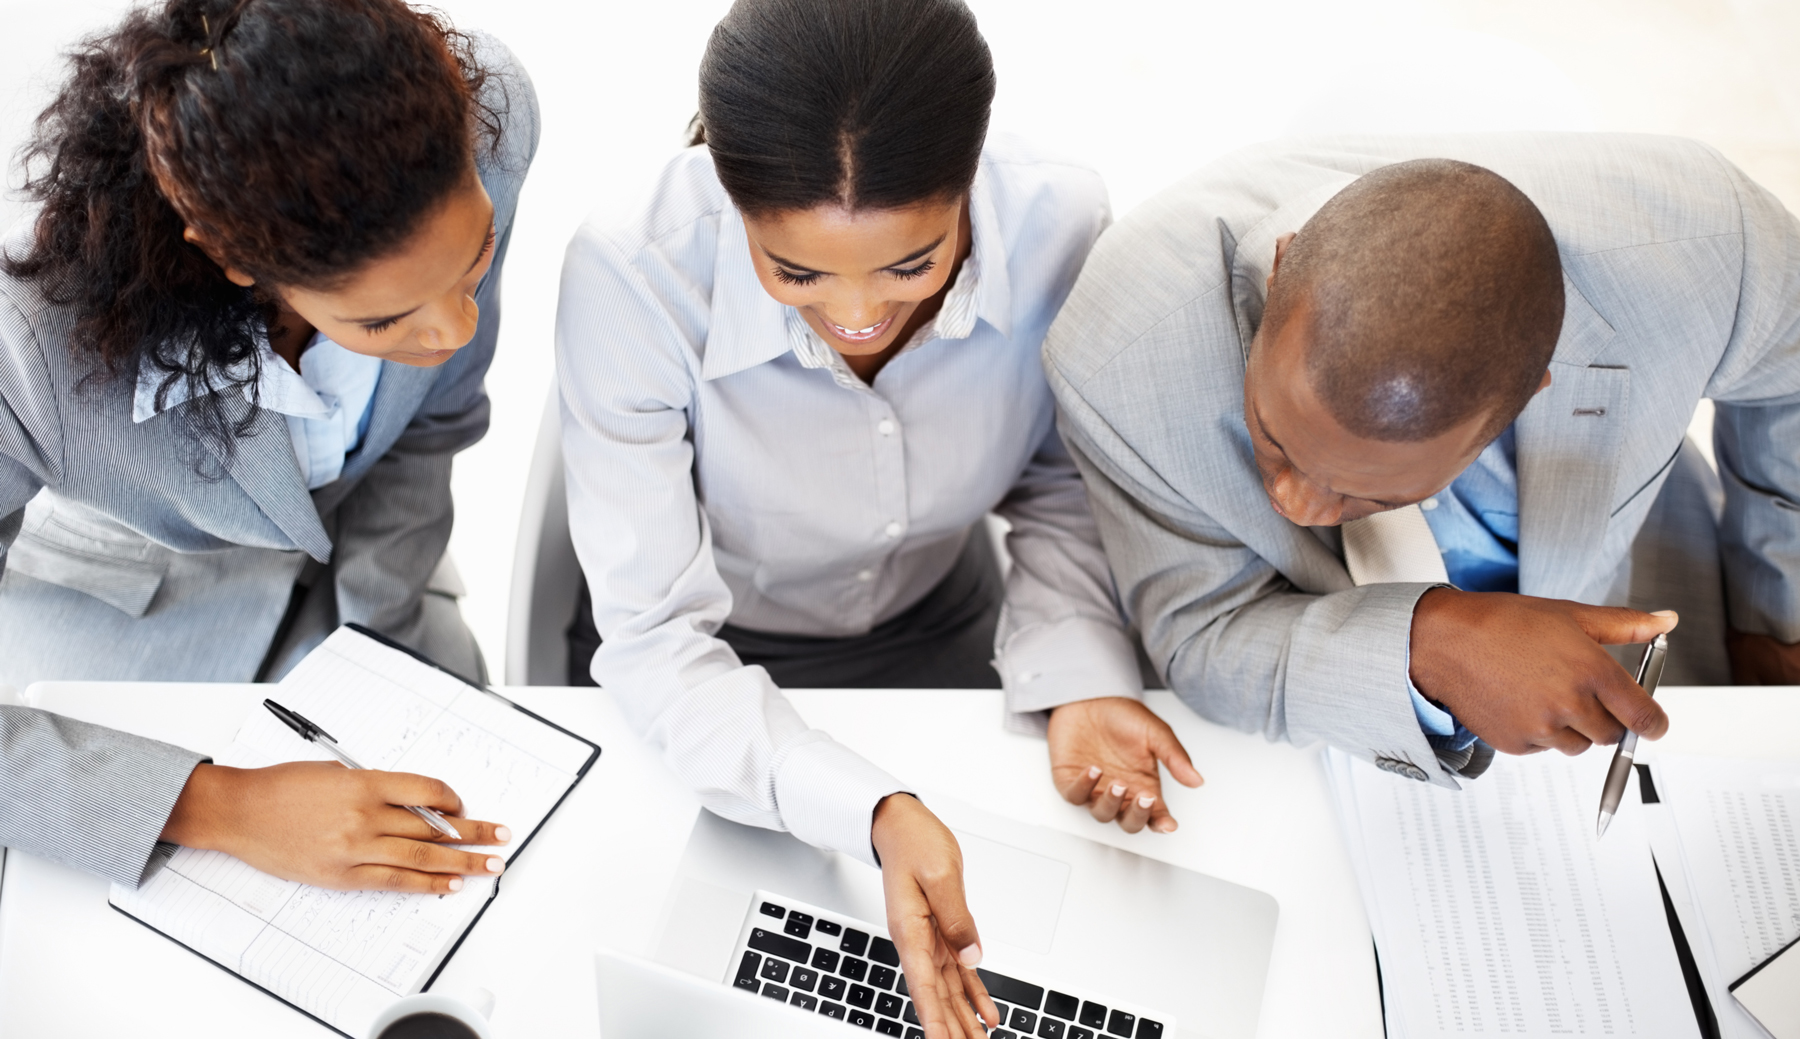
[
  {"x": 310, "y": 731},
  {"x": 1649, "y": 676}
]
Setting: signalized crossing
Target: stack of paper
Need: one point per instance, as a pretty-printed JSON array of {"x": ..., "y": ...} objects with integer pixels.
[
  {"x": 1728, "y": 841},
  {"x": 1496, "y": 912}
]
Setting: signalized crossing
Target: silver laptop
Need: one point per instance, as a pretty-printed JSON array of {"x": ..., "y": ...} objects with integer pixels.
[{"x": 1081, "y": 940}]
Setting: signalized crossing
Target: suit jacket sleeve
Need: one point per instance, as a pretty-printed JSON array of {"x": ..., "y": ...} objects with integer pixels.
[{"x": 1756, "y": 389}]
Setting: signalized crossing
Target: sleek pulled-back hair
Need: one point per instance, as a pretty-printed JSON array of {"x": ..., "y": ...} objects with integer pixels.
[
  {"x": 867, "y": 104},
  {"x": 301, "y": 138}
]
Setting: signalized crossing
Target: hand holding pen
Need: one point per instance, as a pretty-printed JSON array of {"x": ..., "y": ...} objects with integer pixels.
[
  {"x": 309, "y": 731},
  {"x": 1649, "y": 676}
]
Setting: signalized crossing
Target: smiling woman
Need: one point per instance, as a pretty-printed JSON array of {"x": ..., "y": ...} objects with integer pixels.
[{"x": 243, "y": 332}]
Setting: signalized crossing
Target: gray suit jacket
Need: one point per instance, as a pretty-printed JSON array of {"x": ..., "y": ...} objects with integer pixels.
[
  {"x": 1682, "y": 280},
  {"x": 120, "y": 561}
]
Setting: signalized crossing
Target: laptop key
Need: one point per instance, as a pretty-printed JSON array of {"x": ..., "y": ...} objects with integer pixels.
[
  {"x": 835, "y": 1011},
  {"x": 1148, "y": 1029},
  {"x": 888, "y": 1026},
  {"x": 803, "y": 1001},
  {"x": 775, "y": 970},
  {"x": 779, "y": 945},
  {"x": 862, "y": 1019},
  {"x": 882, "y": 951},
  {"x": 853, "y": 968},
  {"x": 889, "y": 1005},
  {"x": 1121, "y": 1023},
  {"x": 799, "y": 925},
  {"x": 774, "y": 991},
  {"x": 832, "y": 988},
  {"x": 804, "y": 978},
  {"x": 902, "y": 988},
  {"x": 1024, "y": 1020},
  {"x": 1078, "y": 1032},
  {"x": 746, "y": 975},
  {"x": 882, "y": 977},
  {"x": 831, "y": 927},
  {"x": 1061, "y": 1004},
  {"x": 855, "y": 942},
  {"x": 909, "y": 1015},
  {"x": 1010, "y": 989},
  {"x": 1001, "y": 1033},
  {"x": 861, "y": 996},
  {"x": 771, "y": 909},
  {"x": 1050, "y": 1028},
  {"x": 1093, "y": 1015},
  {"x": 1001, "y": 1009},
  {"x": 915, "y": 1033},
  {"x": 826, "y": 960}
]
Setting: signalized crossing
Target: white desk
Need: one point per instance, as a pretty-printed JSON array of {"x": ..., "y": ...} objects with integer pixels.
[{"x": 598, "y": 873}]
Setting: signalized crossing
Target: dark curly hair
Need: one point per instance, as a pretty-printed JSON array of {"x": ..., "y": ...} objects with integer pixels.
[
  {"x": 869, "y": 104},
  {"x": 300, "y": 138}
]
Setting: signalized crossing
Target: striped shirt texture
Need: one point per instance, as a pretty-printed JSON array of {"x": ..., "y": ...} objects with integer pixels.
[{"x": 724, "y": 464}]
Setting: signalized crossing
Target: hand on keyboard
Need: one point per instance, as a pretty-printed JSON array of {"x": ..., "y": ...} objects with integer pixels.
[
  {"x": 1104, "y": 753},
  {"x": 928, "y": 917}
]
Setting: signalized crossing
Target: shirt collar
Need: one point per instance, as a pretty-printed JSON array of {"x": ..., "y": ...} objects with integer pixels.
[
  {"x": 277, "y": 387},
  {"x": 750, "y": 328}
]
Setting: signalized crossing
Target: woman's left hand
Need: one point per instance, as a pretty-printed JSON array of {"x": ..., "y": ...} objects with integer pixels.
[{"x": 928, "y": 917}]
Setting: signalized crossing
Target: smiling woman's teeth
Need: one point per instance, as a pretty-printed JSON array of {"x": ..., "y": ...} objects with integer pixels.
[{"x": 857, "y": 331}]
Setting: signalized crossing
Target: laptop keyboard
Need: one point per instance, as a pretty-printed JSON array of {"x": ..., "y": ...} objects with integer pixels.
[{"x": 828, "y": 964}]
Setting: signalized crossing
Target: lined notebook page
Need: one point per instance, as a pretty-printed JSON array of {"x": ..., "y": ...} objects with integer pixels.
[
  {"x": 344, "y": 956},
  {"x": 1496, "y": 912}
]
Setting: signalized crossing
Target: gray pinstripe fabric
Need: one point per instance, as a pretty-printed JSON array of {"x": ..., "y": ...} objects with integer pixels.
[
  {"x": 118, "y": 561},
  {"x": 1683, "y": 281}
]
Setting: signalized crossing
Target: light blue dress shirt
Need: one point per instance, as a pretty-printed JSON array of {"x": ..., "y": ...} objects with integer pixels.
[{"x": 1476, "y": 523}]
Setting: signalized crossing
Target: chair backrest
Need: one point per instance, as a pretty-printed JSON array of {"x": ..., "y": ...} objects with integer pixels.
[{"x": 546, "y": 577}]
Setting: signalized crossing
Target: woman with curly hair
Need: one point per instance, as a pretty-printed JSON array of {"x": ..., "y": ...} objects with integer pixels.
[{"x": 243, "y": 332}]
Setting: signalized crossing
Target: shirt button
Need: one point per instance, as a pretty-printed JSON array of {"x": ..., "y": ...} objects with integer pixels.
[
  {"x": 885, "y": 427},
  {"x": 1428, "y": 504},
  {"x": 893, "y": 529},
  {"x": 865, "y": 575}
]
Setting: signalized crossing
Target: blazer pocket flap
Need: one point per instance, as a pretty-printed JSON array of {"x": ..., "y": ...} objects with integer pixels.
[{"x": 125, "y": 577}]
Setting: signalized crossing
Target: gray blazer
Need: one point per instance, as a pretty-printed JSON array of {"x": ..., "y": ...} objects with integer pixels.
[
  {"x": 119, "y": 561},
  {"x": 1682, "y": 280}
]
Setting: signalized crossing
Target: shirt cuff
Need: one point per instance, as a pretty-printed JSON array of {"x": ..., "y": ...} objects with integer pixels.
[
  {"x": 1441, "y": 728},
  {"x": 1048, "y": 665},
  {"x": 827, "y": 794}
]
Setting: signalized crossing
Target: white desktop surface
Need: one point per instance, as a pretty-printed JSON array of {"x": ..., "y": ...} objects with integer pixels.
[{"x": 596, "y": 875}]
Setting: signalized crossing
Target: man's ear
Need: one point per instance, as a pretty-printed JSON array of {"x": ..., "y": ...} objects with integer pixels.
[
  {"x": 1281, "y": 246},
  {"x": 1544, "y": 385},
  {"x": 232, "y": 274}
]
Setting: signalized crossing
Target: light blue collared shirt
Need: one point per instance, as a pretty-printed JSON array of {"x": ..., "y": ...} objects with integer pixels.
[{"x": 1476, "y": 523}]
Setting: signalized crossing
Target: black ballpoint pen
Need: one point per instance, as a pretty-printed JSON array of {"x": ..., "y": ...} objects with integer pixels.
[
  {"x": 311, "y": 731},
  {"x": 1649, "y": 676}
]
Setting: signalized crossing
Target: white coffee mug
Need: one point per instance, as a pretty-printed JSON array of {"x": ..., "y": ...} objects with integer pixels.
[{"x": 473, "y": 1013}]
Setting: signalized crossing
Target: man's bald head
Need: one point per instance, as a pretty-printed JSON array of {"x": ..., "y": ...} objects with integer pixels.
[{"x": 1432, "y": 291}]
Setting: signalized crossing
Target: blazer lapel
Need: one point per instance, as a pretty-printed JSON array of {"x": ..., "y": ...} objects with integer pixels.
[
  {"x": 397, "y": 398},
  {"x": 263, "y": 464},
  {"x": 1568, "y": 456}
]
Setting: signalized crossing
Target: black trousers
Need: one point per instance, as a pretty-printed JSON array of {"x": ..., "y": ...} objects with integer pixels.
[{"x": 943, "y": 641}]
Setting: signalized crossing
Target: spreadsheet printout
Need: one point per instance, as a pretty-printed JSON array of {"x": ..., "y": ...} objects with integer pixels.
[
  {"x": 1496, "y": 911},
  {"x": 343, "y": 956}
]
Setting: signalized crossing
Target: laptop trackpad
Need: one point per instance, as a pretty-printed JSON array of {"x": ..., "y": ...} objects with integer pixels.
[{"x": 1016, "y": 895}]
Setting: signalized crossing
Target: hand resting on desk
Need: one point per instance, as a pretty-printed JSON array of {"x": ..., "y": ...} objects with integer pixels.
[
  {"x": 1527, "y": 674},
  {"x": 1104, "y": 754},
  {"x": 320, "y": 823}
]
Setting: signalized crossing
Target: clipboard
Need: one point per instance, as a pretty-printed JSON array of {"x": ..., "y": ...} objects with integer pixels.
[
  {"x": 298, "y": 917},
  {"x": 1771, "y": 992}
]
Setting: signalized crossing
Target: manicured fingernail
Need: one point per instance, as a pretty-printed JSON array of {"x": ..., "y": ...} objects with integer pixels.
[
  {"x": 1093, "y": 771},
  {"x": 495, "y": 864},
  {"x": 502, "y": 834},
  {"x": 1118, "y": 789},
  {"x": 1167, "y": 827},
  {"x": 1663, "y": 613},
  {"x": 970, "y": 957},
  {"x": 1146, "y": 801},
  {"x": 456, "y": 883}
]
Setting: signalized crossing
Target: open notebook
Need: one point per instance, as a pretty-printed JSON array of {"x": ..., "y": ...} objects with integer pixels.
[{"x": 338, "y": 956}]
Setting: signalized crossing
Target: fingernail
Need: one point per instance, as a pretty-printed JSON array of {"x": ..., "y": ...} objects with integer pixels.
[
  {"x": 456, "y": 883},
  {"x": 1663, "y": 613},
  {"x": 1094, "y": 772},
  {"x": 503, "y": 834},
  {"x": 970, "y": 957},
  {"x": 1118, "y": 789},
  {"x": 495, "y": 864},
  {"x": 1146, "y": 801},
  {"x": 1168, "y": 827}
]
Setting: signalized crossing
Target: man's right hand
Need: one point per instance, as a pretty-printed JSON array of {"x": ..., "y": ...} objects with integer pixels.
[
  {"x": 320, "y": 823},
  {"x": 1526, "y": 674}
]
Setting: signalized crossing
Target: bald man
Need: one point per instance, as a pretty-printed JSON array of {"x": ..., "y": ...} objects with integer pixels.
[{"x": 1499, "y": 339}]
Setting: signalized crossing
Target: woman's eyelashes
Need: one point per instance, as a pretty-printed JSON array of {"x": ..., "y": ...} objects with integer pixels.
[
  {"x": 787, "y": 277},
  {"x": 913, "y": 272},
  {"x": 379, "y": 327}
]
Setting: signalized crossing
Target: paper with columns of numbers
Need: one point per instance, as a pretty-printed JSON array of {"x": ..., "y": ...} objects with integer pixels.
[
  {"x": 1496, "y": 911},
  {"x": 343, "y": 956}
]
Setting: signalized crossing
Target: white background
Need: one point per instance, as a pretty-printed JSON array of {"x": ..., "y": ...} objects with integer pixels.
[{"x": 1143, "y": 90}]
